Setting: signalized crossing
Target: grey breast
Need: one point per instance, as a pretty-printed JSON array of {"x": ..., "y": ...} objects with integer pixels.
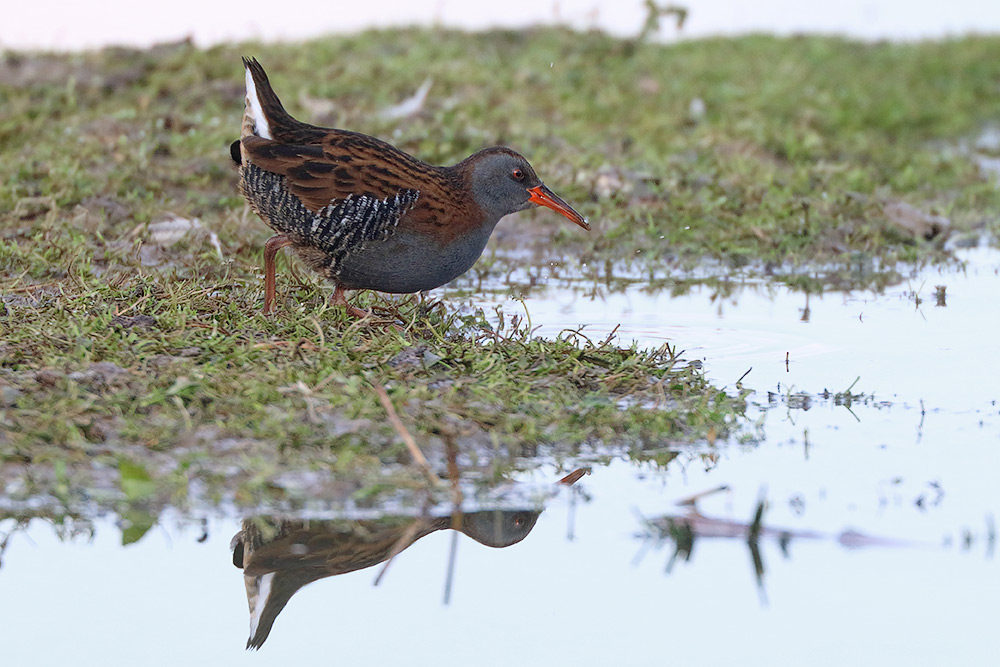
[{"x": 409, "y": 261}]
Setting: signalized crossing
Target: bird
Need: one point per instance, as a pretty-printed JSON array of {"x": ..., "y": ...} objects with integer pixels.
[
  {"x": 279, "y": 556},
  {"x": 363, "y": 213}
]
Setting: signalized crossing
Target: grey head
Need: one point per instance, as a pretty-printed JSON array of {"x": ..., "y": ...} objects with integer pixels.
[
  {"x": 502, "y": 182},
  {"x": 499, "y": 528}
]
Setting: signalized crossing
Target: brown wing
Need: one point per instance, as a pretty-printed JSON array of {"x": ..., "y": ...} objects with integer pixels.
[
  {"x": 347, "y": 164},
  {"x": 344, "y": 164}
]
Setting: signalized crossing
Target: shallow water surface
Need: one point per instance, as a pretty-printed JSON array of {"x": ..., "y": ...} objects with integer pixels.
[
  {"x": 590, "y": 584},
  {"x": 876, "y": 545},
  {"x": 924, "y": 414}
]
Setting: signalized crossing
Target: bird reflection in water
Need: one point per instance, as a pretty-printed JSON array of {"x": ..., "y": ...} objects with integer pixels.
[{"x": 279, "y": 556}]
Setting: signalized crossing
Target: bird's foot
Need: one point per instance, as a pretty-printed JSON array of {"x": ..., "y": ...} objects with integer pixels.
[
  {"x": 338, "y": 299},
  {"x": 354, "y": 311}
]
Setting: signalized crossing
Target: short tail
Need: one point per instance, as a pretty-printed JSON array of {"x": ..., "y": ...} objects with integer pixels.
[
  {"x": 261, "y": 102},
  {"x": 266, "y": 117}
]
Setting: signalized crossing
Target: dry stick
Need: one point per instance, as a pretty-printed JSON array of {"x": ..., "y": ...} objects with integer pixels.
[
  {"x": 319, "y": 330},
  {"x": 453, "y": 475},
  {"x": 691, "y": 501},
  {"x": 456, "y": 514},
  {"x": 408, "y": 537},
  {"x": 450, "y": 576},
  {"x": 573, "y": 477},
  {"x": 411, "y": 444}
]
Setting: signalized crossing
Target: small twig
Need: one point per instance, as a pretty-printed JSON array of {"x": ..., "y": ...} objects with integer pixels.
[
  {"x": 573, "y": 477},
  {"x": 610, "y": 336},
  {"x": 456, "y": 513},
  {"x": 455, "y": 476},
  {"x": 319, "y": 330},
  {"x": 691, "y": 501},
  {"x": 134, "y": 305},
  {"x": 661, "y": 395},
  {"x": 408, "y": 537},
  {"x": 411, "y": 444},
  {"x": 452, "y": 558},
  {"x": 325, "y": 381}
]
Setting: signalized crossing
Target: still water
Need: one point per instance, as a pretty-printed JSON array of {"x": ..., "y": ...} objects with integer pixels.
[{"x": 877, "y": 544}]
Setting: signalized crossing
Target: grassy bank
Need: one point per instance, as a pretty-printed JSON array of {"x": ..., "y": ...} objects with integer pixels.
[{"x": 123, "y": 342}]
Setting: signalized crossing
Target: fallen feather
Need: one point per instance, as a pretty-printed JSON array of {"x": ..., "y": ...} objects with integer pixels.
[
  {"x": 411, "y": 105},
  {"x": 168, "y": 232}
]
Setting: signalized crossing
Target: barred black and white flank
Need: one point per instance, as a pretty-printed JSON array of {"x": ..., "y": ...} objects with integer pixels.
[{"x": 338, "y": 229}]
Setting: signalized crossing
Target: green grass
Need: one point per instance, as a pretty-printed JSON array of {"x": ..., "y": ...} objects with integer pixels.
[
  {"x": 204, "y": 386},
  {"x": 801, "y": 143}
]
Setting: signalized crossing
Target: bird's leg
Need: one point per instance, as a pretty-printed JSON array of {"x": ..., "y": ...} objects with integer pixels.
[
  {"x": 338, "y": 299},
  {"x": 271, "y": 248}
]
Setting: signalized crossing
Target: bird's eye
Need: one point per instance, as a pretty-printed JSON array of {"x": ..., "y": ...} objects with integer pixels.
[{"x": 518, "y": 174}]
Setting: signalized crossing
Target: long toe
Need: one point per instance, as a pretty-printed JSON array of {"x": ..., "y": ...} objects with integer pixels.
[{"x": 354, "y": 311}]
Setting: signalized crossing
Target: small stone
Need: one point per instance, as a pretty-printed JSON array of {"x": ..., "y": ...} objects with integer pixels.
[
  {"x": 919, "y": 223},
  {"x": 696, "y": 110},
  {"x": 989, "y": 140},
  {"x": 134, "y": 322},
  {"x": 111, "y": 209},
  {"x": 161, "y": 360},
  {"x": 648, "y": 85},
  {"x": 101, "y": 375},
  {"x": 9, "y": 396},
  {"x": 610, "y": 181},
  {"x": 963, "y": 241},
  {"x": 411, "y": 357},
  {"x": 429, "y": 358},
  {"x": 48, "y": 377}
]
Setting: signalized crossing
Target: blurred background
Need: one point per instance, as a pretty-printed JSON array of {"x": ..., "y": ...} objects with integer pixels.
[{"x": 56, "y": 25}]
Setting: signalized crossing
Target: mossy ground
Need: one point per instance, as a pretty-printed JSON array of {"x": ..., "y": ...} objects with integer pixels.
[{"x": 774, "y": 152}]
